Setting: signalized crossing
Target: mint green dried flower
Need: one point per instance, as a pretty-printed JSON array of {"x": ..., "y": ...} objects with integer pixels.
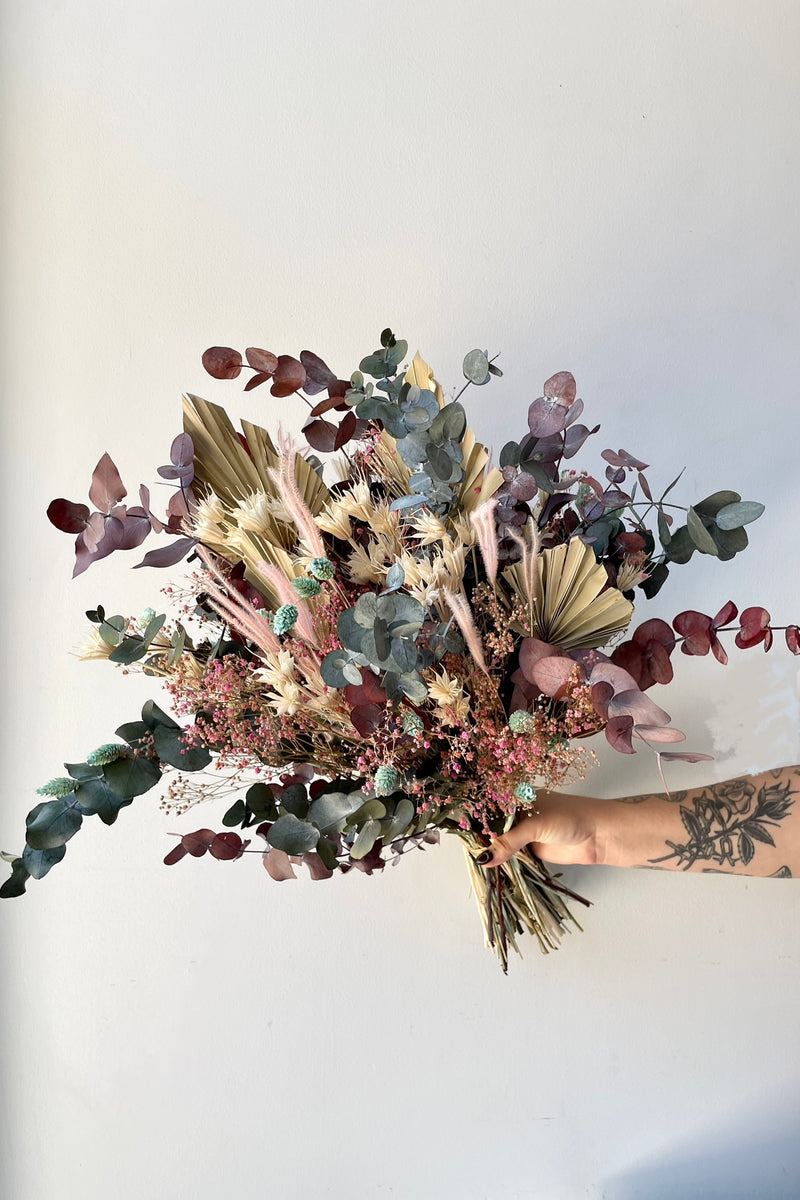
[
  {"x": 57, "y": 787},
  {"x": 520, "y": 721},
  {"x": 412, "y": 724},
  {"x": 284, "y": 619},
  {"x": 322, "y": 568},
  {"x": 143, "y": 621},
  {"x": 525, "y": 792},
  {"x": 103, "y": 755},
  {"x": 306, "y": 588},
  {"x": 386, "y": 780}
]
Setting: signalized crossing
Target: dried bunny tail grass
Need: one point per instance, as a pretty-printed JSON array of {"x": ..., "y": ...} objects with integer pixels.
[
  {"x": 459, "y": 606},
  {"x": 483, "y": 520},
  {"x": 530, "y": 559},
  {"x": 289, "y": 596},
  {"x": 236, "y": 610},
  {"x": 285, "y": 480}
]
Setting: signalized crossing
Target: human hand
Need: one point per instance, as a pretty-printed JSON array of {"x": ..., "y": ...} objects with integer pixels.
[{"x": 565, "y": 830}]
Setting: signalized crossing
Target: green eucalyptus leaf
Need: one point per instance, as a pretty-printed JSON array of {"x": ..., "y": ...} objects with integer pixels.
[
  {"x": 365, "y": 610},
  {"x": 261, "y": 802},
  {"x": 152, "y": 715},
  {"x": 177, "y": 643},
  {"x": 366, "y": 839},
  {"x": 292, "y": 835},
  {"x": 395, "y": 577},
  {"x": 332, "y": 668},
  {"x": 404, "y": 655},
  {"x": 294, "y": 799},
  {"x": 96, "y": 798},
  {"x": 112, "y": 629},
  {"x": 372, "y": 809},
  {"x": 153, "y": 628},
  {"x": 733, "y": 516},
  {"x": 327, "y": 852},
  {"x": 129, "y": 650},
  {"x": 171, "y": 747},
  {"x": 663, "y": 530},
  {"x": 729, "y": 541},
  {"x": 476, "y": 367},
  {"x": 700, "y": 535},
  {"x": 236, "y": 815},
  {"x": 82, "y": 771},
  {"x": 681, "y": 547},
  {"x": 413, "y": 686},
  {"x": 399, "y": 822},
  {"x": 15, "y": 884},
  {"x": 133, "y": 732},
  {"x": 132, "y": 776},
  {"x": 713, "y": 503},
  {"x": 352, "y": 674},
  {"x": 52, "y": 823},
  {"x": 510, "y": 455},
  {"x": 331, "y": 809},
  {"x": 38, "y": 862}
]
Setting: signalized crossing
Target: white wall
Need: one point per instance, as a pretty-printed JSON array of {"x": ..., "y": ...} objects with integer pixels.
[{"x": 606, "y": 187}]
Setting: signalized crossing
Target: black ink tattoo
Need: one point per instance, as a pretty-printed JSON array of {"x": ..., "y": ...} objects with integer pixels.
[
  {"x": 725, "y": 823},
  {"x": 781, "y": 873}
]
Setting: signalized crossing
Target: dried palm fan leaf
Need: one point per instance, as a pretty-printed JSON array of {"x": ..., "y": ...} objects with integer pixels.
[{"x": 571, "y": 609}]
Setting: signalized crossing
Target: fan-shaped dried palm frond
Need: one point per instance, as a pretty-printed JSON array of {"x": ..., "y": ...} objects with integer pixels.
[{"x": 571, "y": 609}]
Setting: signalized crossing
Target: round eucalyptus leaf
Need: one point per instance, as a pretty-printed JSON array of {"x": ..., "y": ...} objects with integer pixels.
[
  {"x": 96, "y": 798},
  {"x": 292, "y": 835},
  {"x": 332, "y": 668},
  {"x": 700, "y": 535},
  {"x": 395, "y": 577},
  {"x": 404, "y": 655},
  {"x": 132, "y": 776},
  {"x": 52, "y": 823},
  {"x": 38, "y": 862},
  {"x": 413, "y": 686},
  {"x": 332, "y": 809},
  {"x": 352, "y": 674},
  {"x": 399, "y": 822},
  {"x": 476, "y": 367}
]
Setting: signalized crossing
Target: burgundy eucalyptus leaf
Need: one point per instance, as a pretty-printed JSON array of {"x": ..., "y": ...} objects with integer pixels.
[
  {"x": 263, "y": 361},
  {"x": 107, "y": 488},
  {"x": 222, "y": 362},
  {"x": 167, "y": 556},
  {"x": 184, "y": 473},
  {"x": 368, "y": 692},
  {"x": 576, "y": 409},
  {"x": 546, "y": 417},
  {"x": 576, "y": 435},
  {"x": 601, "y": 694},
  {"x": 609, "y": 672},
  {"x": 84, "y": 557},
  {"x": 181, "y": 452},
  {"x": 227, "y": 846},
  {"x": 347, "y": 428},
  {"x": 318, "y": 374},
  {"x": 326, "y": 405},
  {"x": 175, "y": 855},
  {"x": 561, "y": 387},
  {"x": 68, "y": 516},
  {"x": 316, "y": 867},
  {"x": 278, "y": 865},
  {"x": 623, "y": 459},
  {"x": 638, "y": 706},
  {"x": 695, "y": 628},
  {"x": 615, "y": 474},
  {"x": 614, "y": 498},
  {"x": 366, "y": 718},
  {"x": 321, "y": 435},
  {"x": 531, "y": 651},
  {"x": 135, "y": 528},
  {"x": 198, "y": 842},
  {"x": 645, "y": 486},
  {"x": 525, "y": 488},
  {"x": 726, "y": 614},
  {"x": 177, "y": 509},
  {"x": 99, "y": 528},
  {"x": 690, "y": 756},
  {"x": 793, "y": 638},
  {"x": 256, "y": 380},
  {"x": 753, "y": 626},
  {"x": 289, "y": 376}
]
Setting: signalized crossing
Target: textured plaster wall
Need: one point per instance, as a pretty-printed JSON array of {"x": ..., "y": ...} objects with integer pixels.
[{"x": 608, "y": 187}]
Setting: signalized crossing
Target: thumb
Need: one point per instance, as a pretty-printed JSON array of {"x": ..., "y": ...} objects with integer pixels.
[{"x": 529, "y": 829}]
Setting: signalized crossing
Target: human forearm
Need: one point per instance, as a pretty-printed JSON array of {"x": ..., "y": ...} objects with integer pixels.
[{"x": 749, "y": 825}]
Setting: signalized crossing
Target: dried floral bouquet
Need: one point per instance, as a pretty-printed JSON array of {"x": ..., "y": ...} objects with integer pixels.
[{"x": 416, "y": 647}]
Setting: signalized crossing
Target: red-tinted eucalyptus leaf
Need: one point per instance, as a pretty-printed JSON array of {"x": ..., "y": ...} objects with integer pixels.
[
  {"x": 576, "y": 408},
  {"x": 601, "y": 695},
  {"x": 107, "y": 488},
  {"x": 84, "y": 557},
  {"x": 316, "y": 867},
  {"x": 719, "y": 651},
  {"x": 531, "y": 651},
  {"x": 546, "y": 417},
  {"x": 177, "y": 508},
  {"x": 575, "y": 436},
  {"x": 552, "y": 675},
  {"x": 793, "y": 638},
  {"x": 263, "y": 361},
  {"x": 609, "y": 672},
  {"x": 654, "y": 630},
  {"x": 614, "y": 498},
  {"x": 167, "y": 556},
  {"x": 645, "y": 486},
  {"x": 695, "y": 628},
  {"x": 321, "y": 435},
  {"x": 659, "y": 733},
  {"x": 318, "y": 373},
  {"x": 198, "y": 842},
  {"x": 101, "y": 529},
  {"x": 562, "y": 387},
  {"x": 726, "y": 614},
  {"x": 368, "y": 692},
  {"x": 347, "y": 428},
  {"x": 326, "y": 405},
  {"x": 67, "y": 516},
  {"x": 175, "y": 855},
  {"x": 278, "y": 864},
  {"x": 657, "y": 664},
  {"x": 222, "y": 362},
  {"x": 227, "y": 846},
  {"x": 643, "y": 710},
  {"x": 619, "y": 731},
  {"x": 768, "y": 638},
  {"x": 753, "y": 620},
  {"x": 366, "y": 718},
  {"x": 256, "y": 380},
  {"x": 135, "y": 528},
  {"x": 144, "y": 497},
  {"x": 289, "y": 375}
]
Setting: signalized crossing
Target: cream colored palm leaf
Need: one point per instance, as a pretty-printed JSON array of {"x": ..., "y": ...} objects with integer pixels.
[{"x": 571, "y": 609}]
